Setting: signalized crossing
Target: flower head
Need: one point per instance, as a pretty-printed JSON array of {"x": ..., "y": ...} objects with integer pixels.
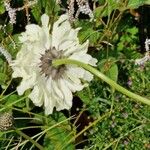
[
  {"x": 6, "y": 121},
  {"x": 51, "y": 86}
]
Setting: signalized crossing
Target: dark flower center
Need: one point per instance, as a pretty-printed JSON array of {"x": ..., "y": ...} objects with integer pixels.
[{"x": 46, "y": 64}]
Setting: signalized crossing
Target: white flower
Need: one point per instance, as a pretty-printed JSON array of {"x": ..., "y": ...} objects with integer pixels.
[
  {"x": 146, "y": 57},
  {"x": 147, "y": 43},
  {"x": 143, "y": 60},
  {"x": 6, "y": 54},
  {"x": 11, "y": 12},
  {"x": 51, "y": 87}
]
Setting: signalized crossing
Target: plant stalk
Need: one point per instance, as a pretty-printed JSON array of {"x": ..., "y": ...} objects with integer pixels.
[
  {"x": 97, "y": 73},
  {"x": 29, "y": 139}
]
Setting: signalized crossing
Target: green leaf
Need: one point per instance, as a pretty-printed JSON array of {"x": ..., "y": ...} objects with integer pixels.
[
  {"x": 132, "y": 4},
  {"x": 99, "y": 12},
  {"x": 36, "y": 11},
  {"x": 147, "y": 2},
  {"x": 45, "y": 6},
  {"x": 109, "y": 68},
  {"x": 132, "y": 31},
  {"x": 3, "y": 78},
  {"x": 84, "y": 96},
  {"x": 113, "y": 72},
  {"x": 12, "y": 98},
  {"x": 2, "y": 8},
  {"x": 58, "y": 137}
]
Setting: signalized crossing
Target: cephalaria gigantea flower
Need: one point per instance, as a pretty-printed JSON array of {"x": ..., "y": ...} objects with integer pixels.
[{"x": 51, "y": 87}]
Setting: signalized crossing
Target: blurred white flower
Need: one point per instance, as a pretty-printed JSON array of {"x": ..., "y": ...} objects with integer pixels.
[
  {"x": 147, "y": 43},
  {"x": 6, "y": 54},
  {"x": 143, "y": 60},
  {"x": 51, "y": 86},
  {"x": 146, "y": 57},
  {"x": 11, "y": 12}
]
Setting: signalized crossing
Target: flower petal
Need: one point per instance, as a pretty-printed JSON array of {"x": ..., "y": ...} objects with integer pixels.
[
  {"x": 67, "y": 94},
  {"x": 37, "y": 96},
  {"x": 45, "y": 20},
  {"x": 72, "y": 85},
  {"x": 57, "y": 90}
]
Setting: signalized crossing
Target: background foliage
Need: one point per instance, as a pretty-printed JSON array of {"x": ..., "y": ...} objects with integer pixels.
[{"x": 100, "y": 118}]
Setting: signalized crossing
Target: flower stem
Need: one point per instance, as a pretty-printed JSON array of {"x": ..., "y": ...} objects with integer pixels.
[
  {"x": 29, "y": 139},
  {"x": 97, "y": 73}
]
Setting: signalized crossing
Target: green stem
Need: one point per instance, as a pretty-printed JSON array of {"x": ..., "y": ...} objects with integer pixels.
[
  {"x": 28, "y": 138},
  {"x": 97, "y": 73},
  {"x": 85, "y": 129}
]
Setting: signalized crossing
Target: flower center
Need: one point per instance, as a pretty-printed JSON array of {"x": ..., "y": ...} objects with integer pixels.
[{"x": 46, "y": 64}]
